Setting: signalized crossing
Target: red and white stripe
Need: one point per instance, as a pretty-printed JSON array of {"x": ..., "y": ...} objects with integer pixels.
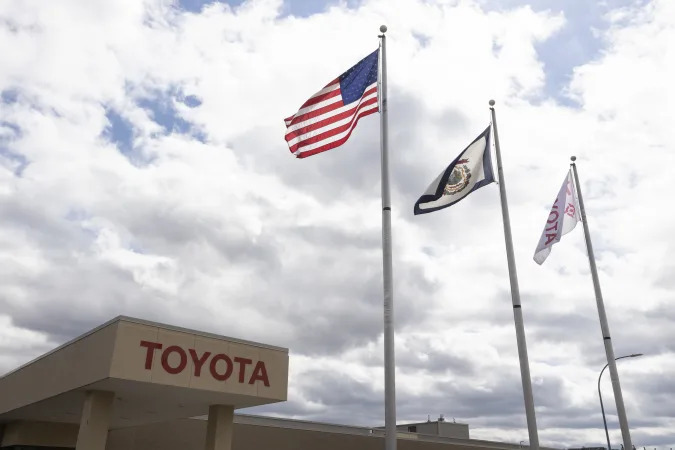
[{"x": 323, "y": 122}]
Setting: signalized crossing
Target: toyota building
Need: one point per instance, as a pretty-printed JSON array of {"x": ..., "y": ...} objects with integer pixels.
[{"x": 131, "y": 384}]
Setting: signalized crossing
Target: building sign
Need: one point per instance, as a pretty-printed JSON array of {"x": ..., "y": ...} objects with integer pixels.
[{"x": 220, "y": 366}]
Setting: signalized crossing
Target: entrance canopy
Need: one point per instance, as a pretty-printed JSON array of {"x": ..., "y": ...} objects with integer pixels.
[{"x": 157, "y": 373}]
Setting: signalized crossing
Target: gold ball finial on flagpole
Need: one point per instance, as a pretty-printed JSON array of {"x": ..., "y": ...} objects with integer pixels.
[
  {"x": 573, "y": 158},
  {"x": 492, "y": 103},
  {"x": 383, "y": 28}
]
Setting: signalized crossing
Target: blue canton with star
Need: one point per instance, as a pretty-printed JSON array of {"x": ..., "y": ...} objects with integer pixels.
[{"x": 354, "y": 82}]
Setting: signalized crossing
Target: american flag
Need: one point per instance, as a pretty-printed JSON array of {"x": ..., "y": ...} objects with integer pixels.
[{"x": 327, "y": 119}]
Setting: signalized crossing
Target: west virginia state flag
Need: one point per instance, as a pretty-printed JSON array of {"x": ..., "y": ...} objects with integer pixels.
[{"x": 471, "y": 170}]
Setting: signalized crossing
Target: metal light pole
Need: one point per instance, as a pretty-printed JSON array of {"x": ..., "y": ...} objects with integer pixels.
[{"x": 602, "y": 408}]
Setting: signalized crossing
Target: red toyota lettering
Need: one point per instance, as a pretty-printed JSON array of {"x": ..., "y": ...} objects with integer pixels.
[
  {"x": 553, "y": 216},
  {"x": 165, "y": 359},
  {"x": 228, "y": 370},
  {"x": 243, "y": 362},
  {"x": 198, "y": 362},
  {"x": 570, "y": 210},
  {"x": 151, "y": 346},
  {"x": 217, "y": 371},
  {"x": 260, "y": 373}
]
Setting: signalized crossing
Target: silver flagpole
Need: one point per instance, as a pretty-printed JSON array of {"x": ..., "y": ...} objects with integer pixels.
[
  {"x": 604, "y": 326},
  {"x": 515, "y": 297},
  {"x": 389, "y": 364}
]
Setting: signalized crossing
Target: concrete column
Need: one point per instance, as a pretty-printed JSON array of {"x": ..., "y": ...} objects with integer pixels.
[
  {"x": 95, "y": 420},
  {"x": 219, "y": 428}
]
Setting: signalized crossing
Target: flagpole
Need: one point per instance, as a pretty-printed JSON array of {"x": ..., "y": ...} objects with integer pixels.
[
  {"x": 389, "y": 364},
  {"x": 515, "y": 297},
  {"x": 604, "y": 326}
]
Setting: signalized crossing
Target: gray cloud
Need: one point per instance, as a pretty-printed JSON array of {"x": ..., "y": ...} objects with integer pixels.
[{"x": 226, "y": 232}]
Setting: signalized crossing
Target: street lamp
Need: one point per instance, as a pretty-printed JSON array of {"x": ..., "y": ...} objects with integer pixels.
[{"x": 602, "y": 408}]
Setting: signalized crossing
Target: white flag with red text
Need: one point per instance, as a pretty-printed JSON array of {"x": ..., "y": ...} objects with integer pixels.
[{"x": 561, "y": 220}]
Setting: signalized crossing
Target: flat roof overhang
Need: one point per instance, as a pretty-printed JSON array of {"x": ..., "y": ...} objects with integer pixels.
[{"x": 158, "y": 373}]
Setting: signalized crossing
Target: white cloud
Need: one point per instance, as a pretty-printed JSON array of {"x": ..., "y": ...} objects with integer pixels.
[{"x": 221, "y": 229}]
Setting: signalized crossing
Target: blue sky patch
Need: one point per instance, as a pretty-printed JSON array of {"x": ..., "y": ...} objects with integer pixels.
[
  {"x": 197, "y": 5},
  {"x": 120, "y": 131},
  {"x": 163, "y": 111},
  {"x": 573, "y": 45},
  {"x": 192, "y": 101},
  {"x": 299, "y": 8},
  {"x": 165, "y": 114},
  {"x": 9, "y": 96},
  {"x": 162, "y": 108},
  {"x": 15, "y": 161}
]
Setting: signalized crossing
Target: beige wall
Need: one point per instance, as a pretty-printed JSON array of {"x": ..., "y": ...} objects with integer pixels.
[
  {"x": 456, "y": 430},
  {"x": 118, "y": 355},
  {"x": 254, "y": 434},
  {"x": 176, "y": 358},
  {"x": 436, "y": 428},
  {"x": 149, "y": 373},
  {"x": 40, "y": 433},
  {"x": 79, "y": 363},
  {"x": 188, "y": 434}
]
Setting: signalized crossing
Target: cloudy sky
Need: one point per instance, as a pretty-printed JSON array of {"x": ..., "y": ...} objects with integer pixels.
[{"x": 143, "y": 172}]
